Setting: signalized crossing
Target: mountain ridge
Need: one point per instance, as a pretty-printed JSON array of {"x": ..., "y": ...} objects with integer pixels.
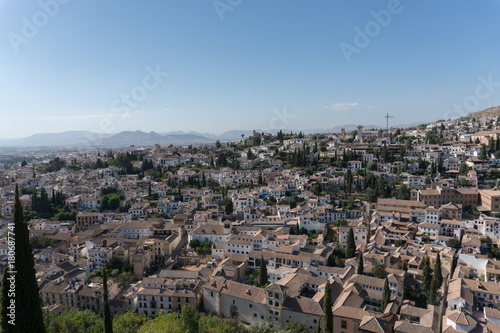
[{"x": 88, "y": 139}]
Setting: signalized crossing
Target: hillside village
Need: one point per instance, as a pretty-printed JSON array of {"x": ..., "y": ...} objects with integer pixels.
[{"x": 402, "y": 226}]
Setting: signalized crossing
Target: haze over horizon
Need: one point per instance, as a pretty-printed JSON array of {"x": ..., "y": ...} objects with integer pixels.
[{"x": 213, "y": 66}]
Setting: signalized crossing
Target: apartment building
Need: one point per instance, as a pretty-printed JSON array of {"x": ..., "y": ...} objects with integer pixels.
[{"x": 442, "y": 195}]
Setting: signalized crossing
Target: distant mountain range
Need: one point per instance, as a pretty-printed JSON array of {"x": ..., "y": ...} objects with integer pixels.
[
  {"x": 86, "y": 139},
  {"x": 91, "y": 139}
]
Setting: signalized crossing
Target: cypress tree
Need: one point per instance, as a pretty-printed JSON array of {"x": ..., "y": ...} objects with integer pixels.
[
  {"x": 482, "y": 152},
  {"x": 263, "y": 279},
  {"x": 30, "y": 318},
  {"x": 437, "y": 273},
  {"x": 437, "y": 280},
  {"x": 426, "y": 275},
  {"x": 34, "y": 201},
  {"x": 228, "y": 208},
  {"x": 108, "y": 322},
  {"x": 360, "y": 264},
  {"x": 386, "y": 296},
  {"x": 327, "y": 309},
  {"x": 433, "y": 292},
  {"x": 351, "y": 245},
  {"x": 6, "y": 327}
]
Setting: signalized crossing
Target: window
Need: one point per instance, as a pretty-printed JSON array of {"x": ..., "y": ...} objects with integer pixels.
[
  {"x": 250, "y": 305},
  {"x": 344, "y": 324}
]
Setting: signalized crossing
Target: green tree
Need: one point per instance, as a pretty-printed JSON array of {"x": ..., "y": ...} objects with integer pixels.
[
  {"x": 203, "y": 180},
  {"x": 482, "y": 152},
  {"x": 190, "y": 318},
  {"x": 194, "y": 243},
  {"x": 351, "y": 245},
  {"x": 327, "y": 309},
  {"x": 129, "y": 322},
  {"x": 164, "y": 323},
  {"x": 108, "y": 323},
  {"x": 386, "y": 296},
  {"x": 6, "y": 327},
  {"x": 462, "y": 169},
  {"x": 403, "y": 192},
  {"x": 433, "y": 292},
  {"x": 73, "y": 320},
  {"x": 30, "y": 319},
  {"x": 454, "y": 243},
  {"x": 372, "y": 166},
  {"x": 228, "y": 208},
  {"x": 360, "y": 264},
  {"x": 437, "y": 273},
  {"x": 379, "y": 271},
  {"x": 260, "y": 327},
  {"x": 491, "y": 145},
  {"x": 263, "y": 279},
  {"x": 294, "y": 327},
  {"x": 426, "y": 275},
  {"x": 494, "y": 253}
]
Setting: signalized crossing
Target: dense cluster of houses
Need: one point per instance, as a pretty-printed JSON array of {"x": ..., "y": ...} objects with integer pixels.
[{"x": 147, "y": 238}]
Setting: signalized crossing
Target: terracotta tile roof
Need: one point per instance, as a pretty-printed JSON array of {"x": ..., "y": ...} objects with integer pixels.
[
  {"x": 407, "y": 327},
  {"x": 303, "y": 305},
  {"x": 462, "y": 318},
  {"x": 373, "y": 324},
  {"x": 235, "y": 289}
]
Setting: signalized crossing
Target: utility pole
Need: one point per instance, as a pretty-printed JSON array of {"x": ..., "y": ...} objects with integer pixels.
[{"x": 387, "y": 117}]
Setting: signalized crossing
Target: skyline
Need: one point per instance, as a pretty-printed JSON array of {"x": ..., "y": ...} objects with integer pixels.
[{"x": 218, "y": 66}]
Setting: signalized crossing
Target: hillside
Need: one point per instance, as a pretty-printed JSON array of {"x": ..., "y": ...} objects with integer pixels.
[{"x": 490, "y": 112}]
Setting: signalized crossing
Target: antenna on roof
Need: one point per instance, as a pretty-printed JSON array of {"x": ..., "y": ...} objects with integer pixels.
[{"x": 387, "y": 117}]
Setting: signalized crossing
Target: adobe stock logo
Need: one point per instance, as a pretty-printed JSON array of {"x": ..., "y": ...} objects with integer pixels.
[
  {"x": 121, "y": 107},
  {"x": 371, "y": 30},
  {"x": 280, "y": 120},
  {"x": 31, "y": 27},
  {"x": 483, "y": 91},
  {"x": 223, "y": 6}
]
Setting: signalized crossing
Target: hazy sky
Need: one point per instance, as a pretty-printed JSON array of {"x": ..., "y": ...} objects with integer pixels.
[{"x": 212, "y": 66}]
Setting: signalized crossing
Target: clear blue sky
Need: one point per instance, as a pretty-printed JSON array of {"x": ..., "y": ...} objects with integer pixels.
[{"x": 263, "y": 58}]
